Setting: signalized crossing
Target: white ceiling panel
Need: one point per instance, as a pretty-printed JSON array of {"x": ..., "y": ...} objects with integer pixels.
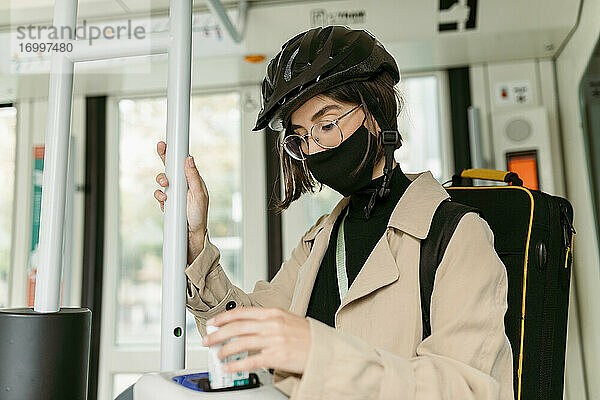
[
  {"x": 22, "y": 12},
  {"x": 504, "y": 29}
]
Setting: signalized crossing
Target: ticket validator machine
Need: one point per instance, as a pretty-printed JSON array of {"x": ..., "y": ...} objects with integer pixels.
[{"x": 44, "y": 351}]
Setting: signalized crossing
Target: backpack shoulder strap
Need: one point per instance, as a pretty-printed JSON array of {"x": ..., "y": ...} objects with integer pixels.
[{"x": 444, "y": 223}]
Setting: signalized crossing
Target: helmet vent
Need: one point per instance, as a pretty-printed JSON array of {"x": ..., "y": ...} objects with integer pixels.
[{"x": 287, "y": 74}]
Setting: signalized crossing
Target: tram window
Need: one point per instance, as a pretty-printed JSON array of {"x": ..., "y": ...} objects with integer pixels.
[
  {"x": 419, "y": 124},
  {"x": 215, "y": 144},
  {"x": 8, "y": 124}
]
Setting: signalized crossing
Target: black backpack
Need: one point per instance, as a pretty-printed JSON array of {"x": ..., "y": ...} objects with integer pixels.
[{"x": 533, "y": 236}]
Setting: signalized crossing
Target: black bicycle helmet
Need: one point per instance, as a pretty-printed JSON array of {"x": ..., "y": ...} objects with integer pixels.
[{"x": 317, "y": 60}]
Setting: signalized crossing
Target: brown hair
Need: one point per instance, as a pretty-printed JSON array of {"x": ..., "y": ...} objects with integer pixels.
[{"x": 296, "y": 175}]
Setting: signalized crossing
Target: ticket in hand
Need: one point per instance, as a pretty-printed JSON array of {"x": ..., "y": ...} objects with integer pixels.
[{"x": 217, "y": 378}]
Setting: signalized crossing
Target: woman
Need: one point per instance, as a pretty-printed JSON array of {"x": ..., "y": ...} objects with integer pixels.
[{"x": 342, "y": 317}]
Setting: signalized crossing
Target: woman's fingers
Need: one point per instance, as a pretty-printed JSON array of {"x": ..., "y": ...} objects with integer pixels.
[
  {"x": 160, "y": 197},
  {"x": 195, "y": 181},
  {"x": 197, "y": 194},
  {"x": 243, "y": 321},
  {"x": 161, "y": 179},
  {"x": 240, "y": 313},
  {"x": 243, "y": 343},
  {"x": 234, "y": 329},
  {"x": 161, "y": 149},
  {"x": 247, "y": 364}
]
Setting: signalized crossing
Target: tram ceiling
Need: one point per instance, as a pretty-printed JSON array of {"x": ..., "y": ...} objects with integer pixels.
[
  {"x": 422, "y": 32},
  {"x": 19, "y": 12}
]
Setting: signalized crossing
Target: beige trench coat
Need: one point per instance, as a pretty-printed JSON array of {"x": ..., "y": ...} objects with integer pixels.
[{"x": 376, "y": 351}]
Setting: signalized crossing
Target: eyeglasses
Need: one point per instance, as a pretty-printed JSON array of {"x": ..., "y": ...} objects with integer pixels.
[{"x": 326, "y": 135}]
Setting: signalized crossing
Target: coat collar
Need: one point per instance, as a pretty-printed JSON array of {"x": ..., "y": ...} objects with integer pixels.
[{"x": 413, "y": 213}]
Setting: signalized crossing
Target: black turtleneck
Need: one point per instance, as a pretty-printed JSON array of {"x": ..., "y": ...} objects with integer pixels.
[{"x": 360, "y": 236}]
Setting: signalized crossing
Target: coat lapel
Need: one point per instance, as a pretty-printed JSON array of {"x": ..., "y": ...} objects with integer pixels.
[
  {"x": 379, "y": 270},
  {"x": 308, "y": 273}
]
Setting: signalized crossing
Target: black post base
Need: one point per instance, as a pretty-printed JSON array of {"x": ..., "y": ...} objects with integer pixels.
[{"x": 44, "y": 356}]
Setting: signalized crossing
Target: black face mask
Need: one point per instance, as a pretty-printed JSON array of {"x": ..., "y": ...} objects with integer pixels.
[{"x": 332, "y": 167}]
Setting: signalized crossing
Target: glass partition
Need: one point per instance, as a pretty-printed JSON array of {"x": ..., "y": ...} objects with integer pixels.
[{"x": 215, "y": 144}]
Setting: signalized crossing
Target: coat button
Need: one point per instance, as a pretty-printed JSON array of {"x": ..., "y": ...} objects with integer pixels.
[{"x": 231, "y": 305}]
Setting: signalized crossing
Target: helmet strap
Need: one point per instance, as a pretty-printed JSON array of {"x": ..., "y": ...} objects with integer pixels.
[{"x": 390, "y": 139}]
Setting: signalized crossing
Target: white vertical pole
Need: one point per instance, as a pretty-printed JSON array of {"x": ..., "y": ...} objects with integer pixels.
[
  {"x": 462, "y": 24},
  {"x": 474, "y": 120},
  {"x": 172, "y": 348},
  {"x": 47, "y": 289}
]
